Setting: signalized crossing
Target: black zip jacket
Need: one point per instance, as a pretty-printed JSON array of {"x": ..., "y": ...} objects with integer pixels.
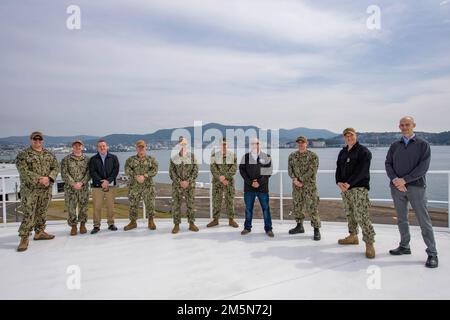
[
  {"x": 109, "y": 171},
  {"x": 353, "y": 167},
  {"x": 259, "y": 170}
]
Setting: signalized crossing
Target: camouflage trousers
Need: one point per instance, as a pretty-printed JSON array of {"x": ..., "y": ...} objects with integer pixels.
[
  {"x": 76, "y": 199},
  {"x": 306, "y": 201},
  {"x": 136, "y": 194},
  {"x": 34, "y": 206},
  {"x": 356, "y": 205},
  {"x": 178, "y": 194},
  {"x": 219, "y": 191}
]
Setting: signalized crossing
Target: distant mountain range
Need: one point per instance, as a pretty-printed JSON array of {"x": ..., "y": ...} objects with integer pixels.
[
  {"x": 286, "y": 137},
  {"x": 49, "y": 140},
  {"x": 164, "y": 135},
  {"x": 386, "y": 138}
]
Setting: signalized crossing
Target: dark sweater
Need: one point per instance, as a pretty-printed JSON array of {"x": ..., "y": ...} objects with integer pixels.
[
  {"x": 410, "y": 162},
  {"x": 259, "y": 170},
  {"x": 353, "y": 167},
  {"x": 99, "y": 172}
]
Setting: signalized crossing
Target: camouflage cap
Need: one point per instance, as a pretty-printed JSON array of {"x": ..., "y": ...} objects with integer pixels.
[
  {"x": 349, "y": 130},
  {"x": 141, "y": 143},
  {"x": 36, "y": 134},
  {"x": 301, "y": 139},
  {"x": 78, "y": 141}
]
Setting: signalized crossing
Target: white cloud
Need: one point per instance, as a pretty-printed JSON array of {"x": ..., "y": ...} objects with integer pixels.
[
  {"x": 281, "y": 20},
  {"x": 117, "y": 76}
]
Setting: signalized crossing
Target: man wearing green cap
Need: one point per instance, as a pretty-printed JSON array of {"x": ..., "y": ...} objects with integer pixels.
[
  {"x": 302, "y": 168},
  {"x": 75, "y": 173},
  {"x": 223, "y": 169},
  {"x": 38, "y": 169},
  {"x": 140, "y": 169},
  {"x": 183, "y": 172},
  {"x": 353, "y": 179}
]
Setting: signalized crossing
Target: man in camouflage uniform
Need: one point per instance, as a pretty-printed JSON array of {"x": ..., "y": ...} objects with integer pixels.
[
  {"x": 183, "y": 171},
  {"x": 223, "y": 168},
  {"x": 140, "y": 170},
  {"x": 75, "y": 173},
  {"x": 38, "y": 169},
  {"x": 302, "y": 168},
  {"x": 353, "y": 179}
]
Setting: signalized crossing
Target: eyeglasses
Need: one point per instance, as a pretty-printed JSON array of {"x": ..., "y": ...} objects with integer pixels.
[{"x": 37, "y": 139}]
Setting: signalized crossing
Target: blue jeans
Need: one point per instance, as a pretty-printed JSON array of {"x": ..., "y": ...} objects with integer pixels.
[{"x": 249, "y": 199}]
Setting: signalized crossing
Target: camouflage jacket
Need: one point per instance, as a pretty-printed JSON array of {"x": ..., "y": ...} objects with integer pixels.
[
  {"x": 75, "y": 169},
  {"x": 33, "y": 164},
  {"x": 303, "y": 166},
  {"x": 146, "y": 166},
  {"x": 183, "y": 168},
  {"x": 223, "y": 165}
]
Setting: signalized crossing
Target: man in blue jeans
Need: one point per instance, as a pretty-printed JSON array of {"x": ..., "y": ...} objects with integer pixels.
[{"x": 256, "y": 169}]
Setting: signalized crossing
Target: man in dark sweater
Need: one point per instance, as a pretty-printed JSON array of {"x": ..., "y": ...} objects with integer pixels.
[
  {"x": 103, "y": 168},
  {"x": 256, "y": 169},
  {"x": 353, "y": 179},
  {"x": 407, "y": 163}
]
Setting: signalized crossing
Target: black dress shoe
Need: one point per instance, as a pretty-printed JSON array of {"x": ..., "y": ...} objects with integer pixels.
[
  {"x": 95, "y": 230},
  {"x": 399, "y": 251},
  {"x": 432, "y": 262},
  {"x": 298, "y": 229},
  {"x": 317, "y": 236},
  {"x": 112, "y": 228}
]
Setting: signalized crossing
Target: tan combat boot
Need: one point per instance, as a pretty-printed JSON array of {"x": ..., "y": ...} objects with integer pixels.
[
  {"x": 193, "y": 227},
  {"x": 83, "y": 228},
  {"x": 130, "y": 226},
  {"x": 23, "y": 245},
  {"x": 73, "y": 231},
  {"x": 176, "y": 228},
  {"x": 351, "y": 239},
  {"x": 151, "y": 224},
  {"x": 232, "y": 223},
  {"x": 213, "y": 223},
  {"x": 370, "y": 251},
  {"x": 42, "y": 235}
]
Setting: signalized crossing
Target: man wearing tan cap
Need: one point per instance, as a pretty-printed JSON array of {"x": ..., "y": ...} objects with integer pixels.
[
  {"x": 140, "y": 169},
  {"x": 223, "y": 169},
  {"x": 302, "y": 168},
  {"x": 183, "y": 171},
  {"x": 38, "y": 169},
  {"x": 75, "y": 173},
  {"x": 353, "y": 179}
]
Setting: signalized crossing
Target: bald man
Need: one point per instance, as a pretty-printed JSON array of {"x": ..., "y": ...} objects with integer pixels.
[{"x": 407, "y": 163}]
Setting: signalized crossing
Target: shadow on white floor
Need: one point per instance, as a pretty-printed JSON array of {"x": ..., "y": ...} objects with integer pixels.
[{"x": 218, "y": 263}]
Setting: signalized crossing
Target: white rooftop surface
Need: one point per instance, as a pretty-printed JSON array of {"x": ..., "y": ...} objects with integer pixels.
[{"x": 218, "y": 263}]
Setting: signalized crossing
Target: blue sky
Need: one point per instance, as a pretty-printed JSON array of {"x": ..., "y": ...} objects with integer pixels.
[{"x": 140, "y": 65}]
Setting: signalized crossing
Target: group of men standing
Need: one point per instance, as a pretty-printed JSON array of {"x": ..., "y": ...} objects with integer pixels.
[{"x": 407, "y": 162}]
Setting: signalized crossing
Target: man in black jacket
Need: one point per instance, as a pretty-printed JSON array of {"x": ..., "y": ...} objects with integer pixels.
[
  {"x": 103, "y": 168},
  {"x": 353, "y": 179},
  {"x": 256, "y": 169},
  {"x": 407, "y": 163}
]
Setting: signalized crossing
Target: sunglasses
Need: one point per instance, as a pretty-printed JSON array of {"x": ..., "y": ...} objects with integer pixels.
[{"x": 37, "y": 139}]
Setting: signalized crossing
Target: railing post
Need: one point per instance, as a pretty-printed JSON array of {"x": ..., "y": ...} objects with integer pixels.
[
  {"x": 4, "y": 200},
  {"x": 448, "y": 199},
  {"x": 281, "y": 196},
  {"x": 144, "y": 212},
  {"x": 210, "y": 197}
]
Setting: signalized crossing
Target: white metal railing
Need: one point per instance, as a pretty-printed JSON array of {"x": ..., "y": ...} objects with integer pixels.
[{"x": 281, "y": 196}]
